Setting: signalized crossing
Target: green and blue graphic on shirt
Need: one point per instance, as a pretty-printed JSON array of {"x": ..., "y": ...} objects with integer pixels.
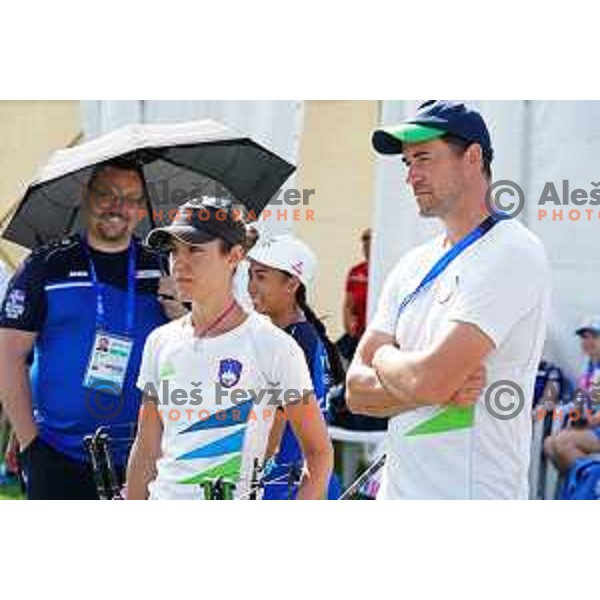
[{"x": 226, "y": 451}]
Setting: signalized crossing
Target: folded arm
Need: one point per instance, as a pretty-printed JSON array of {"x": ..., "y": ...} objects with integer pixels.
[
  {"x": 385, "y": 380},
  {"x": 365, "y": 393}
]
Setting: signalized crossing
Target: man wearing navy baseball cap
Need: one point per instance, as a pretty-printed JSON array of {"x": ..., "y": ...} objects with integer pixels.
[
  {"x": 452, "y": 352},
  {"x": 435, "y": 119}
]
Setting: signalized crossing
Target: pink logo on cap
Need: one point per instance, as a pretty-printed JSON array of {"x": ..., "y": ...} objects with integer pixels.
[{"x": 298, "y": 268}]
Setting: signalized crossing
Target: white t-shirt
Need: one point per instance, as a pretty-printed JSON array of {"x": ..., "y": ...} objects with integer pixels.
[
  {"x": 218, "y": 422},
  {"x": 501, "y": 285}
]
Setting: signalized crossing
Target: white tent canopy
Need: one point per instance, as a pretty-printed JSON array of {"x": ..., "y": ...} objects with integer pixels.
[{"x": 535, "y": 142}]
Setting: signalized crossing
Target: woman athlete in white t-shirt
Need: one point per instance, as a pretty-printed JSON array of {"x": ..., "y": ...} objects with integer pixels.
[{"x": 212, "y": 379}]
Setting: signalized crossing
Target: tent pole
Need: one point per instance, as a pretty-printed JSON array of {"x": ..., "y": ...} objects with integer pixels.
[{"x": 526, "y": 157}]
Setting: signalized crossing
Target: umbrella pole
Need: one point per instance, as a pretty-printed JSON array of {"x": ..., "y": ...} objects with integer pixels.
[
  {"x": 71, "y": 220},
  {"x": 148, "y": 203}
]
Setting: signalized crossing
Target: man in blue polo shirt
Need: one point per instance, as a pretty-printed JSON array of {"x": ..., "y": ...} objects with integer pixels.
[{"x": 84, "y": 305}]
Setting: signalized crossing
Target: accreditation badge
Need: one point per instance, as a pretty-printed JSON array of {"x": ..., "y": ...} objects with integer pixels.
[{"x": 107, "y": 366}]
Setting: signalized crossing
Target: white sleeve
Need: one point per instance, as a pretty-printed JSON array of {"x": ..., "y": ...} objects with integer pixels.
[
  {"x": 148, "y": 369},
  {"x": 386, "y": 315},
  {"x": 501, "y": 292},
  {"x": 288, "y": 370}
]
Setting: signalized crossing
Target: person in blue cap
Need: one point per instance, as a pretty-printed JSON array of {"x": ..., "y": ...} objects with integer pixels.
[
  {"x": 569, "y": 445},
  {"x": 458, "y": 319},
  {"x": 589, "y": 334}
]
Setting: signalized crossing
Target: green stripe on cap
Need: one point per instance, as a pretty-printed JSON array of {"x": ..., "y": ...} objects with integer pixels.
[
  {"x": 413, "y": 133},
  {"x": 451, "y": 418}
]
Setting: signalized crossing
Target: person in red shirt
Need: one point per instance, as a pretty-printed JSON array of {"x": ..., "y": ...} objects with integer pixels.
[{"x": 355, "y": 302}]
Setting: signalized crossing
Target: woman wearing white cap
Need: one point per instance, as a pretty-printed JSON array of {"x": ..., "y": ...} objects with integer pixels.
[
  {"x": 211, "y": 379},
  {"x": 281, "y": 269}
]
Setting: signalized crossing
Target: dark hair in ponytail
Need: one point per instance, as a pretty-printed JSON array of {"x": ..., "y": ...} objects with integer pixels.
[{"x": 335, "y": 363}]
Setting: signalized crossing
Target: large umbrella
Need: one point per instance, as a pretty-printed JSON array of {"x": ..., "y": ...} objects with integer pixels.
[{"x": 202, "y": 157}]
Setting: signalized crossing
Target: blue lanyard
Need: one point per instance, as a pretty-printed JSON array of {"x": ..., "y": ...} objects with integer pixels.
[
  {"x": 442, "y": 264},
  {"x": 590, "y": 372},
  {"x": 99, "y": 288},
  {"x": 591, "y": 367}
]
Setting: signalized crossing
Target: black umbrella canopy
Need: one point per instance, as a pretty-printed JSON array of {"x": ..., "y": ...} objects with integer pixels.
[{"x": 178, "y": 161}]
